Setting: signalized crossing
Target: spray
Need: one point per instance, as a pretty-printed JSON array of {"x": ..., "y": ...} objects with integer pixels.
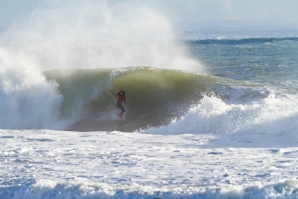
[{"x": 77, "y": 35}]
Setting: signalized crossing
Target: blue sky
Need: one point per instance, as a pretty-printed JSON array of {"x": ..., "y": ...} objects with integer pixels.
[{"x": 177, "y": 11}]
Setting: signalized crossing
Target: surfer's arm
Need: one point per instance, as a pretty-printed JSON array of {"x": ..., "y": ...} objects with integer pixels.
[{"x": 119, "y": 92}]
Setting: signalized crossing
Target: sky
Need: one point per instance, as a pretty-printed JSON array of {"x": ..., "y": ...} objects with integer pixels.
[
  {"x": 210, "y": 10},
  {"x": 177, "y": 11}
]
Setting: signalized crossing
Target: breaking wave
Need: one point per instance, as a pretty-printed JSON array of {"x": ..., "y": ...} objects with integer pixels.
[{"x": 154, "y": 96}]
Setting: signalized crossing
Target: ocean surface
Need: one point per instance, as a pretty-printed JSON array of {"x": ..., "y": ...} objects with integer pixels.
[
  {"x": 250, "y": 89},
  {"x": 205, "y": 118},
  {"x": 250, "y": 73},
  {"x": 255, "y": 78}
]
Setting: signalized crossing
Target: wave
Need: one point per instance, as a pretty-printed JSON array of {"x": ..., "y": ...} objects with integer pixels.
[
  {"x": 154, "y": 96},
  {"x": 273, "y": 115},
  {"x": 241, "y": 41},
  {"x": 159, "y": 101},
  {"x": 53, "y": 189},
  {"x": 27, "y": 101},
  {"x": 86, "y": 35}
]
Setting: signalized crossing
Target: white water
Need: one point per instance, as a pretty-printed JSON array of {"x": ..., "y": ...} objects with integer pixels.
[
  {"x": 26, "y": 99},
  {"x": 56, "y": 164},
  {"x": 272, "y": 116},
  {"x": 217, "y": 150}
]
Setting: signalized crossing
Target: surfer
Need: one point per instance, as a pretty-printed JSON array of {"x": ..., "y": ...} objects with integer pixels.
[{"x": 121, "y": 98}]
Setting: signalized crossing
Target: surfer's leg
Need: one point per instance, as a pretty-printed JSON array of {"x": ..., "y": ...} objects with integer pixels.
[{"x": 122, "y": 109}]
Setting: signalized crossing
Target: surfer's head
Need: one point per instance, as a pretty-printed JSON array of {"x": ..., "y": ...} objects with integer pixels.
[{"x": 123, "y": 92}]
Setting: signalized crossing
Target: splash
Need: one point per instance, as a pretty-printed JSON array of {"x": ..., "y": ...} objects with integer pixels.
[
  {"x": 98, "y": 35},
  {"x": 26, "y": 99},
  {"x": 77, "y": 35},
  {"x": 271, "y": 115}
]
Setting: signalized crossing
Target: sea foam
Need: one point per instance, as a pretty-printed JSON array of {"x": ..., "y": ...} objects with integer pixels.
[{"x": 271, "y": 115}]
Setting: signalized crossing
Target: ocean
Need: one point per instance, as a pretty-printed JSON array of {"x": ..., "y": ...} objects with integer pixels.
[{"x": 205, "y": 117}]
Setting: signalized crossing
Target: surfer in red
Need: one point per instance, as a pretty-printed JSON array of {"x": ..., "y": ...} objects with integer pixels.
[{"x": 121, "y": 98}]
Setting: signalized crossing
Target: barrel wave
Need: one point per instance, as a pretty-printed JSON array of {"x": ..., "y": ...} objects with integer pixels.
[{"x": 154, "y": 96}]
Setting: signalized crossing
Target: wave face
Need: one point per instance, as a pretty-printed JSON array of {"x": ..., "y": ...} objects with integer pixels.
[{"x": 154, "y": 96}]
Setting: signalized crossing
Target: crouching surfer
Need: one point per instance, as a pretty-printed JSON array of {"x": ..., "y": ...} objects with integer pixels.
[{"x": 121, "y": 99}]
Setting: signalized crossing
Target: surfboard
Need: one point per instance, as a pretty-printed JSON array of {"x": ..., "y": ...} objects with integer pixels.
[{"x": 118, "y": 118}]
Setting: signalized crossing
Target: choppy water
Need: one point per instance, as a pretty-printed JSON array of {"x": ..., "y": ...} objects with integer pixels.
[
  {"x": 259, "y": 78},
  {"x": 267, "y": 61}
]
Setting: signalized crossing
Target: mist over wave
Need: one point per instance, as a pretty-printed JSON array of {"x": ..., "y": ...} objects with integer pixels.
[
  {"x": 98, "y": 35},
  {"x": 77, "y": 35}
]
